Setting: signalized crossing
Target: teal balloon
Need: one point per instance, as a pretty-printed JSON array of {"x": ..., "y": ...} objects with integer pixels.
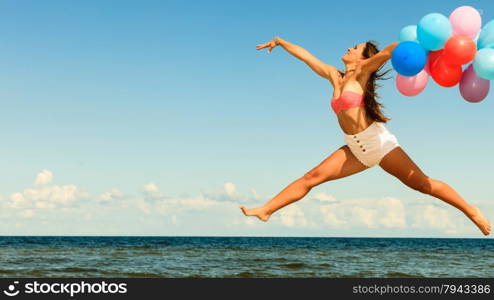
[
  {"x": 486, "y": 37},
  {"x": 433, "y": 31},
  {"x": 483, "y": 64},
  {"x": 408, "y": 33}
]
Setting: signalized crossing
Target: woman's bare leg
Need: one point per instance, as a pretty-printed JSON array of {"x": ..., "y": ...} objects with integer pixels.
[
  {"x": 340, "y": 164},
  {"x": 399, "y": 164}
]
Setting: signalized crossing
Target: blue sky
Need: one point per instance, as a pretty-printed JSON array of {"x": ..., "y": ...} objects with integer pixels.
[{"x": 161, "y": 117}]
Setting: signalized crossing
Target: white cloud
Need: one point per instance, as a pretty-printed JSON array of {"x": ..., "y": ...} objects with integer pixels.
[
  {"x": 230, "y": 189},
  {"x": 242, "y": 220},
  {"x": 17, "y": 200},
  {"x": 111, "y": 196},
  {"x": 324, "y": 197},
  {"x": 225, "y": 200},
  {"x": 255, "y": 194},
  {"x": 431, "y": 216},
  {"x": 144, "y": 206},
  {"x": 220, "y": 207},
  {"x": 230, "y": 194},
  {"x": 293, "y": 216},
  {"x": 151, "y": 188},
  {"x": 386, "y": 212},
  {"x": 46, "y": 196},
  {"x": 394, "y": 214},
  {"x": 330, "y": 217},
  {"x": 27, "y": 214},
  {"x": 155, "y": 201},
  {"x": 152, "y": 191},
  {"x": 174, "y": 205},
  {"x": 250, "y": 221},
  {"x": 364, "y": 216},
  {"x": 44, "y": 177}
]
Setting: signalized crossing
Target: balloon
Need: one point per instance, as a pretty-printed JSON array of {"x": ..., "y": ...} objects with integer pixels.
[
  {"x": 444, "y": 74},
  {"x": 486, "y": 37},
  {"x": 433, "y": 31},
  {"x": 426, "y": 69},
  {"x": 433, "y": 55},
  {"x": 412, "y": 85},
  {"x": 472, "y": 87},
  {"x": 475, "y": 40},
  {"x": 484, "y": 63},
  {"x": 408, "y": 58},
  {"x": 408, "y": 33},
  {"x": 465, "y": 20},
  {"x": 459, "y": 49}
]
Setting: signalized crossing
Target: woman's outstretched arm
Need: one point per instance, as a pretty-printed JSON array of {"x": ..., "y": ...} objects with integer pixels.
[
  {"x": 372, "y": 64},
  {"x": 322, "y": 69}
]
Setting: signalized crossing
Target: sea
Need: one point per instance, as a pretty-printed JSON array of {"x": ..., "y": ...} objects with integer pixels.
[{"x": 244, "y": 257}]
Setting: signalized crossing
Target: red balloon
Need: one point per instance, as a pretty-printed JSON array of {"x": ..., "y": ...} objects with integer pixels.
[
  {"x": 459, "y": 50},
  {"x": 433, "y": 56},
  {"x": 445, "y": 74}
]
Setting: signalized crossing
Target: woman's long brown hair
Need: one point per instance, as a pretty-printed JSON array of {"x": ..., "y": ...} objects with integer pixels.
[{"x": 372, "y": 107}]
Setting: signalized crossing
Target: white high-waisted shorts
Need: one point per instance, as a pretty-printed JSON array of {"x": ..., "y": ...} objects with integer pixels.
[{"x": 372, "y": 144}]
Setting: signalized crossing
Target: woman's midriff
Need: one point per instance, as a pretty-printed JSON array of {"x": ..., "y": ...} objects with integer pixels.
[{"x": 353, "y": 120}]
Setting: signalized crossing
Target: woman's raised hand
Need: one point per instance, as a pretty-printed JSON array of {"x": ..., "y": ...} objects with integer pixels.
[{"x": 271, "y": 44}]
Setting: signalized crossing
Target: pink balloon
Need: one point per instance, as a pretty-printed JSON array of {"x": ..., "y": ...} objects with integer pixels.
[
  {"x": 427, "y": 70},
  {"x": 412, "y": 85},
  {"x": 465, "y": 20},
  {"x": 472, "y": 87}
]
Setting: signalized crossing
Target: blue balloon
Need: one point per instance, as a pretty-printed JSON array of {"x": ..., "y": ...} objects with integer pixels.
[
  {"x": 408, "y": 58},
  {"x": 408, "y": 33},
  {"x": 486, "y": 37},
  {"x": 483, "y": 64},
  {"x": 433, "y": 31}
]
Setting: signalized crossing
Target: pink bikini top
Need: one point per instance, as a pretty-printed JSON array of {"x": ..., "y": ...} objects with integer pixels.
[{"x": 347, "y": 100}]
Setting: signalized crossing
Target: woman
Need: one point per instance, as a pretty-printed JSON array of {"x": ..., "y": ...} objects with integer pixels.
[{"x": 368, "y": 142}]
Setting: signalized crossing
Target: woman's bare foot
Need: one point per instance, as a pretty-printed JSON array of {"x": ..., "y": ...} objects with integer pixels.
[
  {"x": 258, "y": 212},
  {"x": 482, "y": 223}
]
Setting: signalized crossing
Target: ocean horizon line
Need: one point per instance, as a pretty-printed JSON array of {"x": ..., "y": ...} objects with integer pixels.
[{"x": 248, "y": 236}]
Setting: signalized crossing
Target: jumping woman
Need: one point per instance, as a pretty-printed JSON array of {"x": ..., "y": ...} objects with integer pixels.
[{"x": 368, "y": 141}]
